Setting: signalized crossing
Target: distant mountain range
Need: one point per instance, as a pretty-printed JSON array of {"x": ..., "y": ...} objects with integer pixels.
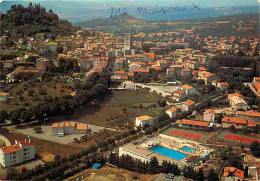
[
  {"x": 116, "y": 21},
  {"x": 82, "y": 11}
]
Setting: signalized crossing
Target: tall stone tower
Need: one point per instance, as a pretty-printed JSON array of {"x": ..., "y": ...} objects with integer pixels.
[{"x": 128, "y": 43}]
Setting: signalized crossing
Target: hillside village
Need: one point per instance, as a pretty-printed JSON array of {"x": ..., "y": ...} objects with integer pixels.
[{"x": 98, "y": 97}]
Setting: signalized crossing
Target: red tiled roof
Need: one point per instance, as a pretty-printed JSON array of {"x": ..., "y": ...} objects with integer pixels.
[
  {"x": 223, "y": 83},
  {"x": 10, "y": 149},
  {"x": 209, "y": 111},
  {"x": 234, "y": 120},
  {"x": 247, "y": 113},
  {"x": 195, "y": 123},
  {"x": 230, "y": 171},
  {"x": 142, "y": 70},
  {"x": 150, "y": 54},
  {"x": 180, "y": 92},
  {"x": 130, "y": 74},
  {"x": 189, "y": 102},
  {"x": 25, "y": 143}
]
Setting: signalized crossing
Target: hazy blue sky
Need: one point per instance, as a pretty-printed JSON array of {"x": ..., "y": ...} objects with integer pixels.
[{"x": 203, "y": 3}]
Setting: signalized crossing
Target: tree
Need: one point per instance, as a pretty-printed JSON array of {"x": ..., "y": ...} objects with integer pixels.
[
  {"x": 154, "y": 165},
  {"x": 11, "y": 173},
  {"x": 3, "y": 116},
  {"x": 200, "y": 175},
  {"x": 14, "y": 118},
  {"x": 210, "y": 88},
  {"x": 212, "y": 176},
  {"x": 26, "y": 116},
  {"x": 189, "y": 172},
  {"x": 31, "y": 59},
  {"x": 232, "y": 128},
  {"x": 59, "y": 49},
  {"x": 163, "y": 117},
  {"x": 31, "y": 92},
  {"x": 42, "y": 91},
  {"x": 37, "y": 129},
  {"x": 246, "y": 172},
  {"x": 229, "y": 148},
  {"x": 255, "y": 148},
  {"x": 223, "y": 155},
  {"x": 163, "y": 103}
]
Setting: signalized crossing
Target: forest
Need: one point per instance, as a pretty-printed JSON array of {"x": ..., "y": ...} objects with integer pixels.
[{"x": 33, "y": 19}]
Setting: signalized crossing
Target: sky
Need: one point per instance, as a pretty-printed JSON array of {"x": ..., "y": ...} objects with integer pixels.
[{"x": 203, "y": 3}]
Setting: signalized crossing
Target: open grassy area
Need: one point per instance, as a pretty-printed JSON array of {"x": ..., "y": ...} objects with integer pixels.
[
  {"x": 20, "y": 94},
  {"x": 205, "y": 135},
  {"x": 119, "y": 109}
]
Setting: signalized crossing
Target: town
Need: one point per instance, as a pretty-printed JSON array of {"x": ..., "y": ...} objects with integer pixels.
[{"x": 86, "y": 103}]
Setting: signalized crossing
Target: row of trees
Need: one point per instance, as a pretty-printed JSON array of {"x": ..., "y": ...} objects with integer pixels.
[
  {"x": 190, "y": 173},
  {"x": 60, "y": 168},
  {"x": 153, "y": 167}
]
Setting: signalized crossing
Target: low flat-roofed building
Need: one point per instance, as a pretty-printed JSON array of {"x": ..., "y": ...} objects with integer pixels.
[
  {"x": 185, "y": 123},
  {"x": 129, "y": 85},
  {"x": 237, "y": 122},
  {"x": 253, "y": 115}
]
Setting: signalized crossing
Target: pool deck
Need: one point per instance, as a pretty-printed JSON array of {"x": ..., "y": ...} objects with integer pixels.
[{"x": 150, "y": 154}]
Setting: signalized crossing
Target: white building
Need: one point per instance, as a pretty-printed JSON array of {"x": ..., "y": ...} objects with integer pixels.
[
  {"x": 172, "y": 113},
  {"x": 129, "y": 85},
  {"x": 4, "y": 96},
  {"x": 143, "y": 120},
  {"x": 209, "y": 115},
  {"x": 188, "y": 105},
  {"x": 238, "y": 103},
  {"x": 222, "y": 85},
  {"x": 18, "y": 153},
  {"x": 189, "y": 89}
]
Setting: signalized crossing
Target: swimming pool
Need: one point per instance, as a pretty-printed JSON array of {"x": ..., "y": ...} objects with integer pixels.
[
  {"x": 168, "y": 152},
  {"x": 187, "y": 149}
]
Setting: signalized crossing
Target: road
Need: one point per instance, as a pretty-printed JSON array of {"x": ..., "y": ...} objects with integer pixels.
[
  {"x": 7, "y": 142},
  {"x": 248, "y": 84},
  {"x": 212, "y": 99}
]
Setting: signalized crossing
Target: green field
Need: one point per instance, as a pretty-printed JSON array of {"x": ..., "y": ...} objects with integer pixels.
[
  {"x": 205, "y": 135},
  {"x": 53, "y": 90}
]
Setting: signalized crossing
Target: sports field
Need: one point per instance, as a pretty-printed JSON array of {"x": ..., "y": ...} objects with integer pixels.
[
  {"x": 236, "y": 138},
  {"x": 187, "y": 134}
]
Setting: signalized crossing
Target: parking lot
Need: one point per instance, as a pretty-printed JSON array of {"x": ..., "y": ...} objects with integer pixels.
[
  {"x": 161, "y": 89},
  {"x": 47, "y": 134}
]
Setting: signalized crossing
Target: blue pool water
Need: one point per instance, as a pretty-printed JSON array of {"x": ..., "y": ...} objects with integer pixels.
[
  {"x": 187, "y": 149},
  {"x": 168, "y": 152}
]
